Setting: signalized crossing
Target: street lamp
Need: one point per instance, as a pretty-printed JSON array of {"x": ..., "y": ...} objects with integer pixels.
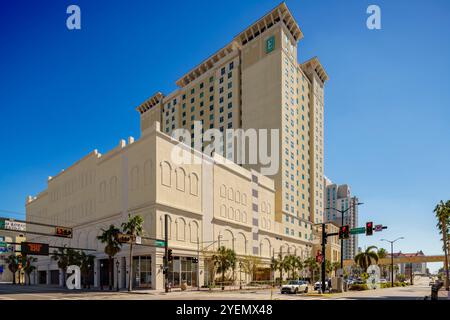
[
  {"x": 240, "y": 273},
  {"x": 342, "y": 212},
  {"x": 392, "y": 257},
  {"x": 117, "y": 277}
]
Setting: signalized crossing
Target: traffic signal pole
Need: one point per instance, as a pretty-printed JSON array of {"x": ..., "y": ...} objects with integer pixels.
[
  {"x": 324, "y": 243},
  {"x": 166, "y": 252}
]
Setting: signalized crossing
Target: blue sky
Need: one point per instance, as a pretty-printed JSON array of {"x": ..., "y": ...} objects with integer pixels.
[{"x": 64, "y": 93}]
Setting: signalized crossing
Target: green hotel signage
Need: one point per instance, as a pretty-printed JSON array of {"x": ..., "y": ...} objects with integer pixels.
[
  {"x": 270, "y": 44},
  {"x": 2, "y": 224}
]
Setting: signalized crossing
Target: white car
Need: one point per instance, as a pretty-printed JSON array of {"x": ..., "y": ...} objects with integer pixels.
[
  {"x": 318, "y": 285},
  {"x": 383, "y": 281},
  {"x": 295, "y": 286}
]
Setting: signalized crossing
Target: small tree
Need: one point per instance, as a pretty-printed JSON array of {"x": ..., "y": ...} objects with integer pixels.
[
  {"x": 250, "y": 265},
  {"x": 312, "y": 266},
  {"x": 112, "y": 247},
  {"x": 13, "y": 265},
  {"x": 224, "y": 259},
  {"x": 134, "y": 227},
  {"x": 28, "y": 267}
]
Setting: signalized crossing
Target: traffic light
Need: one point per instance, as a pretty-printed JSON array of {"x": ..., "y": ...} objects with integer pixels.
[
  {"x": 369, "y": 228},
  {"x": 344, "y": 232},
  {"x": 169, "y": 255}
]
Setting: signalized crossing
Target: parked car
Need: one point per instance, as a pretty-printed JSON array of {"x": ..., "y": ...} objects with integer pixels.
[
  {"x": 318, "y": 285},
  {"x": 295, "y": 286},
  {"x": 383, "y": 281}
]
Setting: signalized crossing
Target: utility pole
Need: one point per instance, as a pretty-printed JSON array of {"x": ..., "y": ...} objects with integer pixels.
[
  {"x": 166, "y": 252},
  {"x": 324, "y": 243},
  {"x": 198, "y": 264}
]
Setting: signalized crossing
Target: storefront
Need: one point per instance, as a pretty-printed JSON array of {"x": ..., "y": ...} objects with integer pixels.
[
  {"x": 183, "y": 269},
  {"x": 142, "y": 271}
]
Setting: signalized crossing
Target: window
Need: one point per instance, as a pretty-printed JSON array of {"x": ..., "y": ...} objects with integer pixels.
[{"x": 231, "y": 65}]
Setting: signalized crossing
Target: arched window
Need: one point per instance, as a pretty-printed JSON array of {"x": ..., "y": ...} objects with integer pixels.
[
  {"x": 244, "y": 199},
  {"x": 238, "y": 196},
  {"x": 223, "y": 191},
  {"x": 244, "y": 217},
  {"x": 223, "y": 211},
  {"x": 102, "y": 191},
  {"x": 194, "y": 231},
  {"x": 180, "y": 177},
  {"x": 147, "y": 172},
  {"x": 181, "y": 229},
  {"x": 230, "y": 194},
  {"x": 237, "y": 215},
  {"x": 113, "y": 187},
  {"x": 193, "y": 184},
  {"x": 263, "y": 207},
  {"x": 166, "y": 174},
  {"x": 230, "y": 213},
  {"x": 135, "y": 178}
]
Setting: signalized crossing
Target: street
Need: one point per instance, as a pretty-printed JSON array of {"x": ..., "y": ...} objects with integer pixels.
[{"x": 418, "y": 291}]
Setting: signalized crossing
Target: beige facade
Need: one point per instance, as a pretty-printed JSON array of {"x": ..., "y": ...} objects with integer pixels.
[
  {"x": 209, "y": 204},
  {"x": 254, "y": 82}
]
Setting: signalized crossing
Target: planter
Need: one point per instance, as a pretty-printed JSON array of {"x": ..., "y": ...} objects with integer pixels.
[{"x": 183, "y": 285}]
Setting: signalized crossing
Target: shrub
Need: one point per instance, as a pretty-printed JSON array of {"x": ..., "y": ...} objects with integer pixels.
[{"x": 359, "y": 287}]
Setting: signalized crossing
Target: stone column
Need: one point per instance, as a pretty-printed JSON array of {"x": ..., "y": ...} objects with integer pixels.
[
  {"x": 48, "y": 279},
  {"x": 61, "y": 278},
  {"x": 157, "y": 272},
  {"x": 96, "y": 273},
  {"x": 127, "y": 268}
]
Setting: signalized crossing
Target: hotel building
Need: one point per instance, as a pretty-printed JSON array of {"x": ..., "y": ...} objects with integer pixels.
[{"x": 254, "y": 82}]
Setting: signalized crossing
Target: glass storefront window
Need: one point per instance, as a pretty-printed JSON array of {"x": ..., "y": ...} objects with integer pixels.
[
  {"x": 182, "y": 269},
  {"x": 142, "y": 271}
]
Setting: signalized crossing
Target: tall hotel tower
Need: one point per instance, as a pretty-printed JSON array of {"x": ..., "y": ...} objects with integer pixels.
[{"x": 256, "y": 82}]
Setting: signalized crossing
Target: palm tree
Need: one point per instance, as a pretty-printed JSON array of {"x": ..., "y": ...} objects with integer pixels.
[
  {"x": 86, "y": 261},
  {"x": 133, "y": 227},
  {"x": 382, "y": 254},
  {"x": 312, "y": 265},
  {"x": 13, "y": 265},
  {"x": 224, "y": 259},
  {"x": 442, "y": 212},
  {"x": 335, "y": 266},
  {"x": 297, "y": 266},
  {"x": 287, "y": 265},
  {"x": 28, "y": 267},
  {"x": 109, "y": 237},
  {"x": 365, "y": 259}
]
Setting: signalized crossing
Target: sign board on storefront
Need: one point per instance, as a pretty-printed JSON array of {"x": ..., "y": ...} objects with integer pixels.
[
  {"x": 15, "y": 225},
  {"x": 2, "y": 223},
  {"x": 123, "y": 238},
  {"x": 63, "y": 232}
]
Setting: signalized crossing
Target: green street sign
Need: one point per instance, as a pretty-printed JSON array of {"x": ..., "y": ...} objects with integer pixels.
[
  {"x": 160, "y": 243},
  {"x": 3, "y": 244},
  {"x": 358, "y": 230}
]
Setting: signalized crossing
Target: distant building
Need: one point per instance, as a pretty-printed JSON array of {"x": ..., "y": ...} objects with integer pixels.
[
  {"x": 405, "y": 268},
  {"x": 338, "y": 197}
]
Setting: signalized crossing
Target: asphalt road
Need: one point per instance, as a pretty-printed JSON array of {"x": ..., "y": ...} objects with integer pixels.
[{"x": 9, "y": 292}]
